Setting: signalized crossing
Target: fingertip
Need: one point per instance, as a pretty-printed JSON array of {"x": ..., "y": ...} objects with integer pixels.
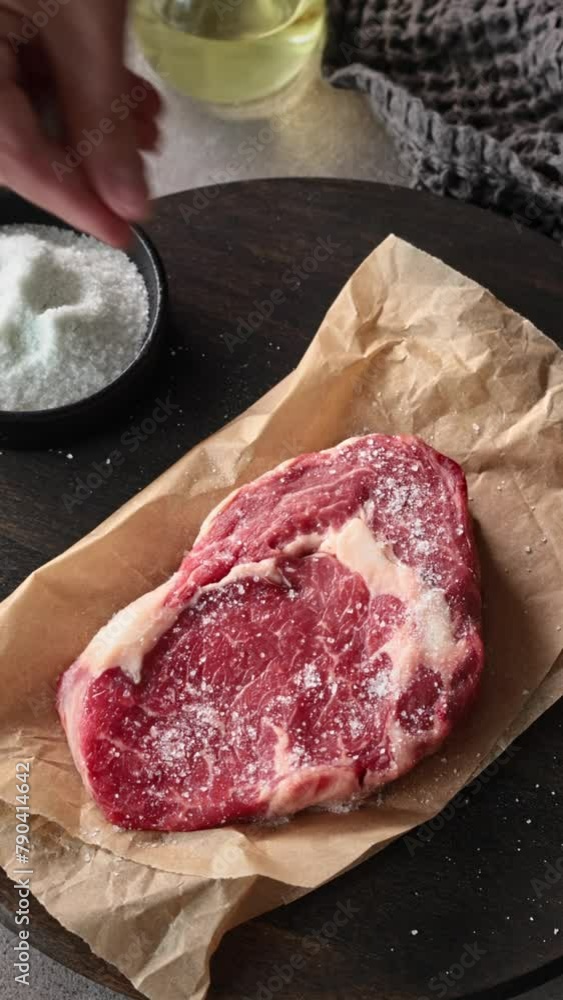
[
  {"x": 124, "y": 190},
  {"x": 102, "y": 224},
  {"x": 118, "y": 234}
]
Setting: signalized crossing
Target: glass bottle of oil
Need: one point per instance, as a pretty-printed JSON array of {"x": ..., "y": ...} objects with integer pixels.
[{"x": 229, "y": 52}]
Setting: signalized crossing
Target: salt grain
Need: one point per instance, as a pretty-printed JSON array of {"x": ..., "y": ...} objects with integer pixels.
[{"x": 73, "y": 315}]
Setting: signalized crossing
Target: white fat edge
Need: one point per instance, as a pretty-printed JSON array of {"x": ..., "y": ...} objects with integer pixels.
[
  {"x": 428, "y": 632},
  {"x": 287, "y": 762},
  {"x": 304, "y": 545},
  {"x": 434, "y": 625},
  {"x": 426, "y": 635},
  {"x": 131, "y": 633},
  {"x": 296, "y": 790},
  {"x": 432, "y": 640},
  {"x": 405, "y": 650},
  {"x": 283, "y": 757},
  {"x": 134, "y": 631},
  {"x": 373, "y": 559},
  {"x": 266, "y": 569},
  {"x": 73, "y": 690}
]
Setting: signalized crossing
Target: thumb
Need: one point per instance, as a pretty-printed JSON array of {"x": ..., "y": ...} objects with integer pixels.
[{"x": 85, "y": 46}]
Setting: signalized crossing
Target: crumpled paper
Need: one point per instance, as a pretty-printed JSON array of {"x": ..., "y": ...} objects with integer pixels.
[{"x": 408, "y": 346}]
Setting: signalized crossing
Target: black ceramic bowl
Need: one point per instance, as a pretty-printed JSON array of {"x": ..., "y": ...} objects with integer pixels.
[{"x": 41, "y": 428}]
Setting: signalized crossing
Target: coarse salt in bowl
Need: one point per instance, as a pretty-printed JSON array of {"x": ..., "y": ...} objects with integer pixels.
[
  {"x": 78, "y": 325},
  {"x": 73, "y": 316}
]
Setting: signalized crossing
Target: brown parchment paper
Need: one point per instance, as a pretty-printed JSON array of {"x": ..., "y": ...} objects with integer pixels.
[{"x": 408, "y": 346}]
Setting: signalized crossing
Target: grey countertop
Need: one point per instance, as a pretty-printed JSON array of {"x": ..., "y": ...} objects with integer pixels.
[{"x": 325, "y": 133}]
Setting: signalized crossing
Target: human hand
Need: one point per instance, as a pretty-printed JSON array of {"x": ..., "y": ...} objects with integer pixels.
[{"x": 92, "y": 174}]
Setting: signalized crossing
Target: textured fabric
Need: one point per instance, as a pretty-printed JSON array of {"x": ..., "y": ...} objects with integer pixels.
[{"x": 472, "y": 91}]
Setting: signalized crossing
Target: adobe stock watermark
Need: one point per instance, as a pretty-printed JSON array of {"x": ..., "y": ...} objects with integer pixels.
[
  {"x": 43, "y": 698},
  {"x": 222, "y": 7},
  {"x": 131, "y": 440},
  {"x": 32, "y": 25},
  {"x": 290, "y": 279},
  {"x": 311, "y": 945},
  {"x": 121, "y": 107},
  {"x": 247, "y": 151},
  {"x": 22, "y": 874},
  {"x": 552, "y": 874},
  {"x": 425, "y": 833},
  {"x": 361, "y": 39},
  {"x": 443, "y": 982},
  {"x": 530, "y": 215}
]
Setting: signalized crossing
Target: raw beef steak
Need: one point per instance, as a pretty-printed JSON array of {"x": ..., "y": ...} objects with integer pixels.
[{"x": 321, "y": 637}]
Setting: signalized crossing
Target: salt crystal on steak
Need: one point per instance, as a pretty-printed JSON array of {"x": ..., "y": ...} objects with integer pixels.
[{"x": 321, "y": 637}]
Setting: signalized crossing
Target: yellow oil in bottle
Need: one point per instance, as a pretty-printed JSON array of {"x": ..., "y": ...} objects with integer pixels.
[{"x": 229, "y": 52}]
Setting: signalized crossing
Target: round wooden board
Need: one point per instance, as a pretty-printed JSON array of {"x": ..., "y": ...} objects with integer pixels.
[{"x": 471, "y": 883}]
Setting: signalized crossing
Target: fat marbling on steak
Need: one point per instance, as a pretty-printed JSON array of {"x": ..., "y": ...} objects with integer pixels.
[{"x": 320, "y": 638}]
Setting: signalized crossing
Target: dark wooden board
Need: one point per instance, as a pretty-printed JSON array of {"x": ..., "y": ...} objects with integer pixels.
[{"x": 471, "y": 883}]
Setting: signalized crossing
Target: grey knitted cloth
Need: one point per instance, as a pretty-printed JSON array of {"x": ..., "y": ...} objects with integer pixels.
[{"x": 471, "y": 90}]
